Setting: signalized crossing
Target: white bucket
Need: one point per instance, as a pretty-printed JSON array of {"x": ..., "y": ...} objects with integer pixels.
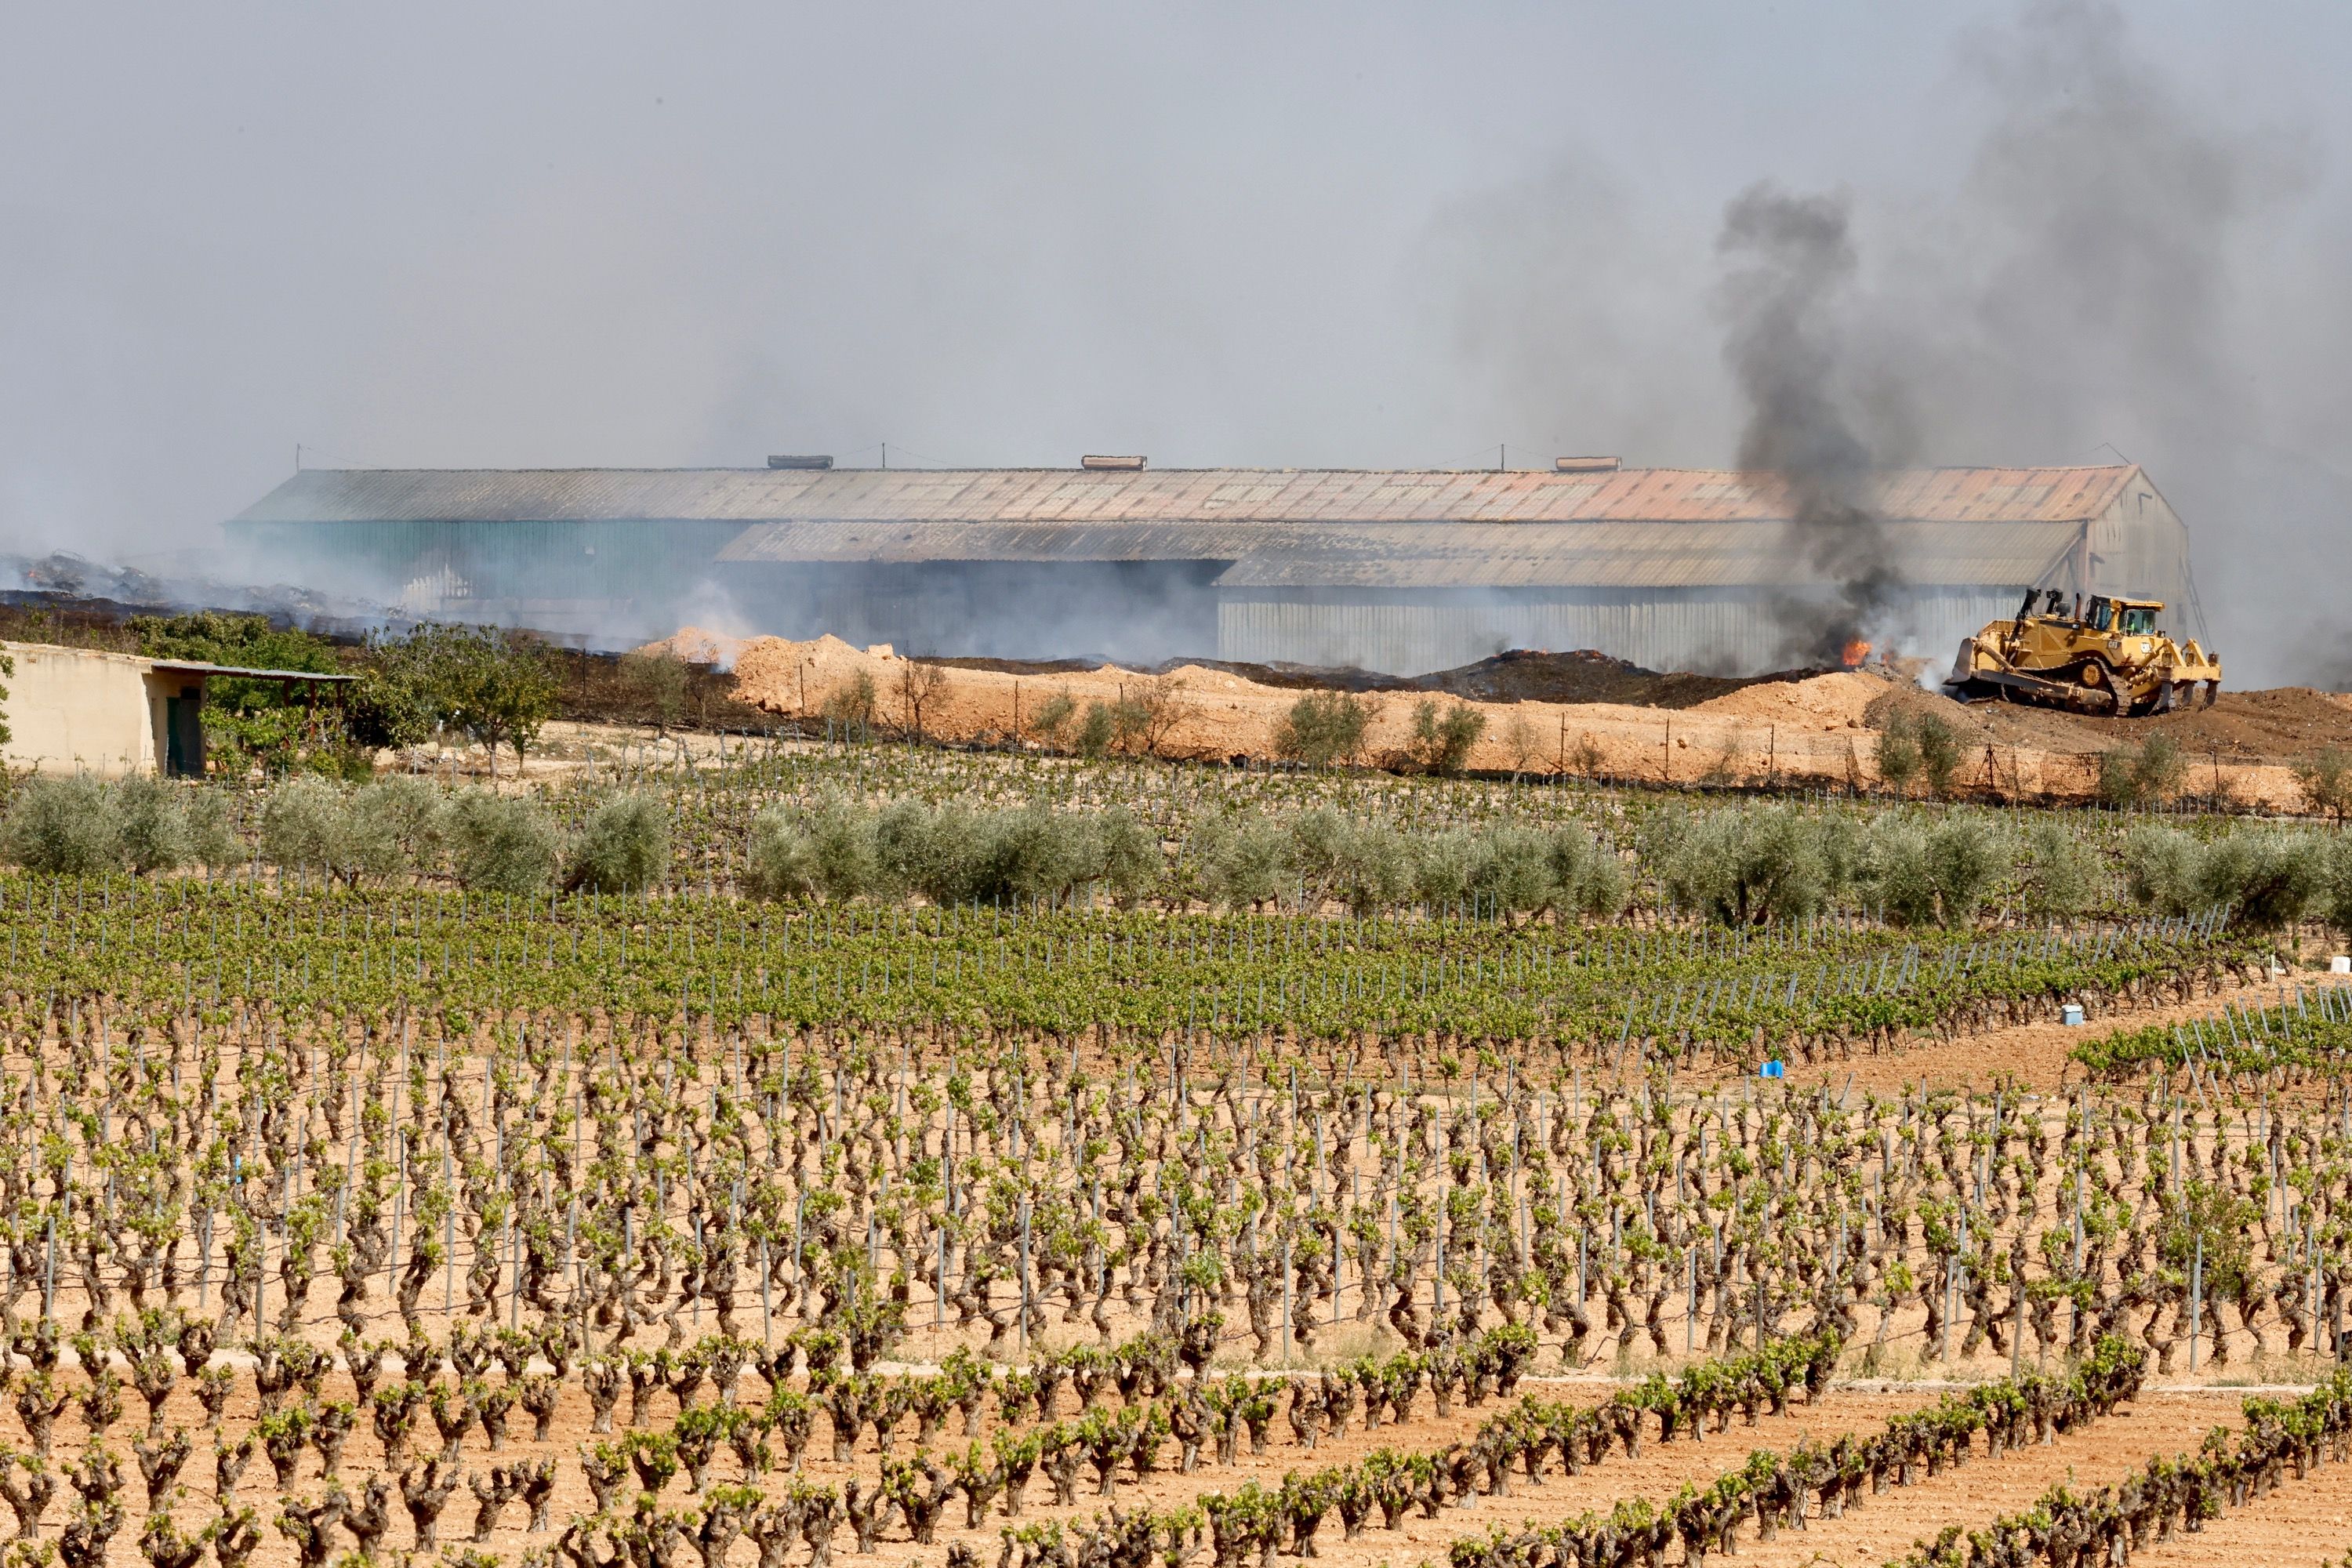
[
  {"x": 2340, "y": 965},
  {"x": 2071, "y": 1013}
]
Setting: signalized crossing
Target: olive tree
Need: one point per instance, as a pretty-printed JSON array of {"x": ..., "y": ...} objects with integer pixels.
[{"x": 67, "y": 826}]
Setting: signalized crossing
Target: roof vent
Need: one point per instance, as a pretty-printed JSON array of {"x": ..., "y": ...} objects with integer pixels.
[
  {"x": 1126, "y": 465},
  {"x": 1585, "y": 464},
  {"x": 797, "y": 460}
]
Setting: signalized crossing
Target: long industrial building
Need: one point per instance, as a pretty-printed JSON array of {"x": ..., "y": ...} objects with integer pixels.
[{"x": 1403, "y": 571}]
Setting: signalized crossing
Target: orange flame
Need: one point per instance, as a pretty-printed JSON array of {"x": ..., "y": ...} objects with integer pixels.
[{"x": 1854, "y": 652}]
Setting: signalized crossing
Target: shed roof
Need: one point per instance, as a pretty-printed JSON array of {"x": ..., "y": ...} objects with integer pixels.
[
  {"x": 1189, "y": 496},
  {"x": 198, "y": 666},
  {"x": 144, "y": 662}
]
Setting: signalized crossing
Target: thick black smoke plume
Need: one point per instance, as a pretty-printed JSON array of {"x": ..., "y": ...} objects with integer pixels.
[{"x": 1792, "y": 260}]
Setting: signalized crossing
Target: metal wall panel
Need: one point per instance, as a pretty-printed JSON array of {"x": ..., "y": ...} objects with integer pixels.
[{"x": 1414, "y": 635}]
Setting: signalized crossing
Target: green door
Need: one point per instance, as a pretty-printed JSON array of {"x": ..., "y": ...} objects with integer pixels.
[{"x": 183, "y": 733}]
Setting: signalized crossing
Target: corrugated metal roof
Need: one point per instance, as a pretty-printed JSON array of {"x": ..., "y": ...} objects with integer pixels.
[
  {"x": 812, "y": 540},
  {"x": 1158, "y": 495},
  {"x": 200, "y": 668}
]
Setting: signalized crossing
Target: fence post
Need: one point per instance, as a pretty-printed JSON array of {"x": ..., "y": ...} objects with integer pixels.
[
  {"x": 1286, "y": 1302},
  {"x": 2195, "y": 1298}
]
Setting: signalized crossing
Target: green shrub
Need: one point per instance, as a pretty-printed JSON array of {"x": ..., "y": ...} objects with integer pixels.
[
  {"x": 1099, "y": 729},
  {"x": 2325, "y": 780},
  {"x": 850, "y": 707},
  {"x": 1967, "y": 858},
  {"x": 841, "y": 849},
  {"x": 1127, "y": 854},
  {"x": 1745, "y": 866},
  {"x": 2334, "y": 900},
  {"x": 1586, "y": 878},
  {"x": 1366, "y": 866},
  {"x": 659, "y": 682},
  {"x": 1896, "y": 752},
  {"x": 213, "y": 838},
  {"x": 1441, "y": 868},
  {"x": 2160, "y": 768},
  {"x": 2267, "y": 879},
  {"x": 2160, "y": 870},
  {"x": 388, "y": 706},
  {"x": 1940, "y": 754},
  {"x": 1243, "y": 865},
  {"x": 1900, "y": 876},
  {"x": 623, "y": 846},
  {"x": 919, "y": 849},
  {"x": 2118, "y": 786},
  {"x": 1374, "y": 869},
  {"x": 1032, "y": 853},
  {"x": 68, "y": 826},
  {"x": 307, "y": 827},
  {"x": 403, "y": 826},
  {"x": 1322, "y": 728},
  {"x": 1053, "y": 716},
  {"x": 1131, "y": 725},
  {"x": 2146, "y": 776},
  {"x": 502, "y": 844},
  {"x": 1839, "y": 848},
  {"x": 2061, "y": 874},
  {"x": 1939, "y": 874},
  {"x": 154, "y": 825},
  {"x": 1441, "y": 737},
  {"x": 953, "y": 856},
  {"x": 780, "y": 859},
  {"x": 1319, "y": 845},
  {"x": 1510, "y": 871}
]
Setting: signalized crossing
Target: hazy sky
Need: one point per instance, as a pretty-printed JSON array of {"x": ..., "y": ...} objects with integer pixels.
[{"x": 1261, "y": 234}]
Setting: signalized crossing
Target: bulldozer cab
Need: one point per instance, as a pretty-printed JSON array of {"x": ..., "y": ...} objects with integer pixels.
[{"x": 2136, "y": 616}]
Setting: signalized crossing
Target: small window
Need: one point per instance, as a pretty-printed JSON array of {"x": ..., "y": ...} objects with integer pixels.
[{"x": 2101, "y": 615}]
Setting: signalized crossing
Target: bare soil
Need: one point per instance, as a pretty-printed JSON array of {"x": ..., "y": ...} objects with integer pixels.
[
  {"x": 2033, "y": 1055},
  {"x": 1571, "y": 713},
  {"x": 2303, "y": 1522},
  {"x": 1875, "y": 1530}
]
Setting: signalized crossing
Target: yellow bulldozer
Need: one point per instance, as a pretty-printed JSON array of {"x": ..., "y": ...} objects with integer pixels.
[{"x": 2105, "y": 657}]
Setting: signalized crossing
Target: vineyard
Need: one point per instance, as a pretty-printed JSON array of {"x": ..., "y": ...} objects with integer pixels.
[{"x": 983, "y": 1160}]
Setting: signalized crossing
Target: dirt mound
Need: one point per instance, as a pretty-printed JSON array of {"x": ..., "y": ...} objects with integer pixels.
[
  {"x": 2288, "y": 723},
  {"x": 1021, "y": 666},
  {"x": 695, "y": 646},
  {"x": 1773, "y": 731},
  {"x": 1835, "y": 701},
  {"x": 1521, "y": 675},
  {"x": 1585, "y": 676},
  {"x": 1524, "y": 675}
]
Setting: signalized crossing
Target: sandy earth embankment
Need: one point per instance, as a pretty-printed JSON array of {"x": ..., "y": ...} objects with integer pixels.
[{"x": 1817, "y": 730}]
